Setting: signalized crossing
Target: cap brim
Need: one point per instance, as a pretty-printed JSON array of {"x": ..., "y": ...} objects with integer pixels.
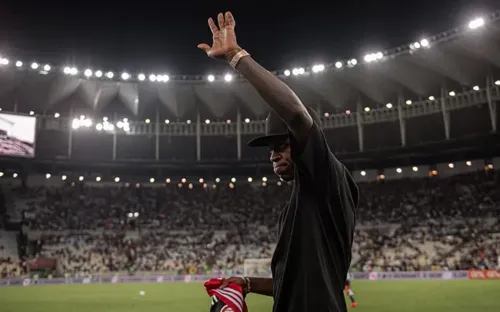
[{"x": 267, "y": 140}]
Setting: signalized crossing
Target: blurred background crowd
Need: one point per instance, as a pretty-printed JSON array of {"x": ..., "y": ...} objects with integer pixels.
[{"x": 448, "y": 223}]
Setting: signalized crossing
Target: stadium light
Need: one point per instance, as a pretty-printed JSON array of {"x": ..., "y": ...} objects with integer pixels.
[
  {"x": 98, "y": 74},
  {"x": 34, "y": 65},
  {"x": 162, "y": 78},
  {"x": 287, "y": 72},
  {"x": 152, "y": 77},
  {"x": 415, "y": 46},
  {"x": 318, "y": 68},
  {"x": 338, "y": 65},
  {"x": 46, "y": 67},
  {"x": 228, "y": 78},
  {"x": 374, "y": 57},
  {"x": 211, "y": 78},
  {"x": 110, "y": 75},
  {"x": 367, "y": 109},
  {"x": 388, "y": 105},
  {"x": 125, "y": 76},
  {"x": 476, "y": 23},
  {"x": 19, "y": 64}
]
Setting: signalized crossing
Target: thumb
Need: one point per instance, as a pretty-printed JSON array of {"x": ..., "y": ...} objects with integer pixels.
[
  {"x": 205, "y": 47},
  {"x": 224, "y": 284}
]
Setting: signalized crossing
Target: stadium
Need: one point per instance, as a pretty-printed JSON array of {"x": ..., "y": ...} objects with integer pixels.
[{"x": 125, "y": 191}]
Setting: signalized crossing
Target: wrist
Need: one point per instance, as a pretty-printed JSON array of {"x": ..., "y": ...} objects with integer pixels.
[
  {"x": 248, "y": 285},
  {"x": 229, "y": 56}
]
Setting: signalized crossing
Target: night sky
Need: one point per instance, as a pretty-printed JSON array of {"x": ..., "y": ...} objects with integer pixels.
[{"x": 162, "y": 36}]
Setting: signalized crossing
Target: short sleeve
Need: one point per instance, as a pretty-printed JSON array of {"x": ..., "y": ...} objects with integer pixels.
[{"x": 314, "y": 160}]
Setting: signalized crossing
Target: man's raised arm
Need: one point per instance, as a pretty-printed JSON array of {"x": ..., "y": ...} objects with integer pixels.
[
  {"x": 275, "y": 92},
  {"x": 278, "y": 95}
]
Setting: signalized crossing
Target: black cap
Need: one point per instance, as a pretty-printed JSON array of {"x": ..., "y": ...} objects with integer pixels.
[{"x": 277, "y": 130}]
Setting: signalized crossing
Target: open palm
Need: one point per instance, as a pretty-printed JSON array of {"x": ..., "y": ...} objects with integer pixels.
[{"x": 224, "y": 38}]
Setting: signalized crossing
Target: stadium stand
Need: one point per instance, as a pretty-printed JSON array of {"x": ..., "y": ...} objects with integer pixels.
[{"x": 403, "y": 225}]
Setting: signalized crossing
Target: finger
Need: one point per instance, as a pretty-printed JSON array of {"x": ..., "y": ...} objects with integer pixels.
[
  {"x": 224, "y": 284},
  {"x": 230, "y": 19},
  {"x": 212, "y": 26},
  {"x": 203, "y": 46},
  {"x": 220, "y": 18}
]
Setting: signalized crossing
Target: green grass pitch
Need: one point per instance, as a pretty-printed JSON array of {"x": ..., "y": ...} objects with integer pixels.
[{"x": 373, "y": 296}]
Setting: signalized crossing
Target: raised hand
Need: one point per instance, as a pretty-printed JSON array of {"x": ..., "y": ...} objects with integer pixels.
[{"x": 224, "y": 38}]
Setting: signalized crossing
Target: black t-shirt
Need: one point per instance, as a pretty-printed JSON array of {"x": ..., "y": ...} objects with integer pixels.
[{"x": 316, "y": 228}]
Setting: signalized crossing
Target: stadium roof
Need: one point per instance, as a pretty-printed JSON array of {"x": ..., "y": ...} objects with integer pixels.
[{"x": 456, "y": 59}]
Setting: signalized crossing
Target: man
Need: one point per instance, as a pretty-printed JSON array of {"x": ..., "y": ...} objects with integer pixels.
[
  {"x": 313, "y": 254},
  {"x": 349, "y": 292}
]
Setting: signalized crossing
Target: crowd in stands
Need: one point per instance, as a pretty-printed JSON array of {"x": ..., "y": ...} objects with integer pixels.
[{"x": 402, "y": 225}]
